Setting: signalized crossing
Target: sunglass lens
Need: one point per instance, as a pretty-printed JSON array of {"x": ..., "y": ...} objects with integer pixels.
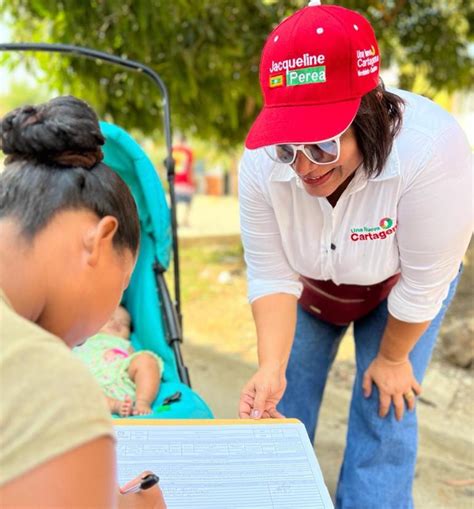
[
  {"x": 324, "y": 152},
  {"x": 272, "y": 153},
  {"x": 285, "y": 153}
]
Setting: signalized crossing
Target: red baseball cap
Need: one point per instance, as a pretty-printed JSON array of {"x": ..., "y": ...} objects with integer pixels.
[{"x": 315, "y": 67}]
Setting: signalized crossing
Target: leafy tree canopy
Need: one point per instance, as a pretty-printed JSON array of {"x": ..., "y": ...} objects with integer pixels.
[{"x": 207, "y": 52}]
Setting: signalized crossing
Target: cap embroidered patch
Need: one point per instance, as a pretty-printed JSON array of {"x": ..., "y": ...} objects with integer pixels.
[
  {"x": 367, "y": 61},
  {"x": 306, "y": 76},
  {"x": 276, "y": 81}
]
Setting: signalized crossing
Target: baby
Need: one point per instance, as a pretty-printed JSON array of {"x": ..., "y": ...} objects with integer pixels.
[{"x": 129, "y": 379}]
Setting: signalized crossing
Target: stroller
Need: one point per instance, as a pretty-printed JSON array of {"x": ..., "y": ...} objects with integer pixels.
[{"x": 156, "y": 321}]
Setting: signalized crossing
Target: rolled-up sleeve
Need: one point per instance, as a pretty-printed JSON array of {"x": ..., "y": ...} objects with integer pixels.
[
  {"x": 268, "y": 270},
  {"x": 435, "y": 219}
]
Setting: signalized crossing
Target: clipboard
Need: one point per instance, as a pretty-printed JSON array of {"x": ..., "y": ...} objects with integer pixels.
[{"x": 224, "y": 463}]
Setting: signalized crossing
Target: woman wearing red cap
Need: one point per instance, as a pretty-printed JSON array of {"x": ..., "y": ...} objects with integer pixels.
[{"x": 355, "y": 200}]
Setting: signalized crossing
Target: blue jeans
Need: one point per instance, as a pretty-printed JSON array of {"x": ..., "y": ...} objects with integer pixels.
[{"x": 380, "y": 455}]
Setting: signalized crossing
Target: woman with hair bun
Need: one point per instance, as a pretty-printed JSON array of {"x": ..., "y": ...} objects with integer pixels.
[{"x": 69, "y": 235}]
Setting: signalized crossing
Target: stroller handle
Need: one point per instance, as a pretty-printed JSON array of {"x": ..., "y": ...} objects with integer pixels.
[
  {"x": 169, "y": 161},
  {"x": 107, "y": 57}
]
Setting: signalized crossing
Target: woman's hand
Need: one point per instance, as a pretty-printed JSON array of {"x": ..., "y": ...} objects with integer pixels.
[
  {"x": 395, "y": 382},
  {"x": 262, "y": 393},
  {"x": 151, "y": 498}
]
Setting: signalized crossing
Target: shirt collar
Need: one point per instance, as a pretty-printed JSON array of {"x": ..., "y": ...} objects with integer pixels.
[
  {"x": 284, "y": 173},
  {"x": 281, "y": 172}
]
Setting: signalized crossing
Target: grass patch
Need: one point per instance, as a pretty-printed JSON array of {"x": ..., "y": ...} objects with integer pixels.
[{"x": 215, "y": 309}]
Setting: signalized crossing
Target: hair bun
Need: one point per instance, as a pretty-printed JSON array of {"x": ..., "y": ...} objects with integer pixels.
[{"x": 63, "y": 131}]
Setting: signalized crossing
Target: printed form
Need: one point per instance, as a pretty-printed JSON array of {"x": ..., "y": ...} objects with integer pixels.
[{"x": 214, "y": 464}]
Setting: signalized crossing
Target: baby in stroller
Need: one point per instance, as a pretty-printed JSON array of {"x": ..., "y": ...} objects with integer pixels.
[{"x": 129, "y": 379}]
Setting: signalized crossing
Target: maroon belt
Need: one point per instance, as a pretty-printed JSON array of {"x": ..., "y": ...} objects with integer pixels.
[{"x": 342, "y": 304}]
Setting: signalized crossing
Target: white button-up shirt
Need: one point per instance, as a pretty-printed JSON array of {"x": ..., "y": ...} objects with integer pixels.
[{"x": 415, "y": 218}]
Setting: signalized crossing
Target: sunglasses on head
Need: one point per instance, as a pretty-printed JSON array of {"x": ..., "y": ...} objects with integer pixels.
[{"x": 322, "y": 152}]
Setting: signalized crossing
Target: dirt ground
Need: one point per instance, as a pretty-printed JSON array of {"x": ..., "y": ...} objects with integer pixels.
[{"x": 220, "y": 352}]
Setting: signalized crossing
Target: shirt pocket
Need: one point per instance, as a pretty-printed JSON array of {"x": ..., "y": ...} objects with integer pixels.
[{"x": 367, "y": 255}]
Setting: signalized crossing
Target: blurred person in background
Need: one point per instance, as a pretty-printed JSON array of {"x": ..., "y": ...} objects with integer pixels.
[{"x": 184, "y": 185}]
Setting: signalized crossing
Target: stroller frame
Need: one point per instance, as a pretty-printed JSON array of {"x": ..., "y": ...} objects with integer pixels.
[{"x": 171, "y": 309}]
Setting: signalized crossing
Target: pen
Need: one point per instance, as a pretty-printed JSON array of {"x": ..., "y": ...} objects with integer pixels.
[
  {"x": 171, "y": 399},
  {"x": 165, "y": 407},
  {"x": 145, "y": 483}
]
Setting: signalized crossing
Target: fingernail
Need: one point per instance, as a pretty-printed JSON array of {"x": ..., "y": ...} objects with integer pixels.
[{"x": 255, "y": 414}]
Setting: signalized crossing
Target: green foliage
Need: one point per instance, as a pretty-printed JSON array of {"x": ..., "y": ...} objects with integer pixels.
[
  {"x": 207, "y": 52},
  {"x": 19, "y": 95}
]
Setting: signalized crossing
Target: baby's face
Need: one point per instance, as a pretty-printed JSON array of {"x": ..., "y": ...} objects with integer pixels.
[{"x": 119, "y": 324}]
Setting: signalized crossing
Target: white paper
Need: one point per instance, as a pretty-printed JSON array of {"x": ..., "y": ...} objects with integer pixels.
[{"x": 226, "y": 466}]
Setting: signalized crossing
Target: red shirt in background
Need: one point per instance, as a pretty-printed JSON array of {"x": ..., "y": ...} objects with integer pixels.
[{"x": 183, "y": 157}]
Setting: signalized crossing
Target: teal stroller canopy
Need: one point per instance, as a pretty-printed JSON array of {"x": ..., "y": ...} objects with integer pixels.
[
  {"x": 143, "y": 298},
  {"x": 126, "y": 157}
]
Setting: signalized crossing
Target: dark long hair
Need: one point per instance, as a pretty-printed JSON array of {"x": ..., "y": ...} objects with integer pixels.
[
  {"x": 376, "y": 125},
  {"x": 54, "y": 163}
]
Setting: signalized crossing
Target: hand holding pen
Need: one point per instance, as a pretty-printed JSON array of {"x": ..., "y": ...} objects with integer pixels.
[{"x": 142, "y": 492}]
